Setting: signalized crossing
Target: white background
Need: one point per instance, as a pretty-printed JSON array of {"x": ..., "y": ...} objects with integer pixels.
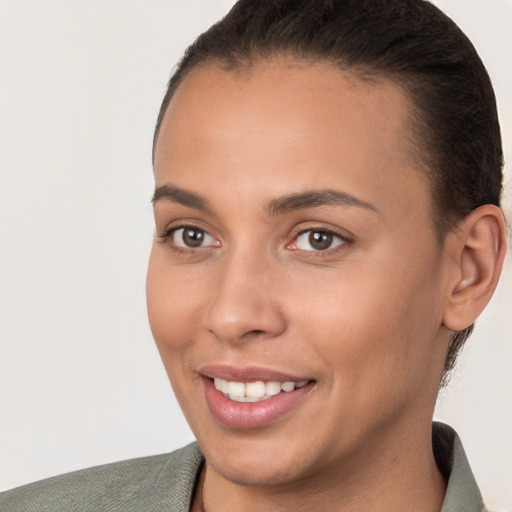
[{"x": 80, "y": 379}]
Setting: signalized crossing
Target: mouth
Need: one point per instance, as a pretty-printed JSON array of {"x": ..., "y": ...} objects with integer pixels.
[
  {"x": 255, "y": 391},
  {"x": 252, "y": 398}
]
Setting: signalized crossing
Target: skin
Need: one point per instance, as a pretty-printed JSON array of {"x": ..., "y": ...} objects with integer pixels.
[{"x": 368, "y": 319}]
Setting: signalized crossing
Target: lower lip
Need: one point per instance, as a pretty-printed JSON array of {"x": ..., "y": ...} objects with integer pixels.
[{"x": 247, "y": 415}]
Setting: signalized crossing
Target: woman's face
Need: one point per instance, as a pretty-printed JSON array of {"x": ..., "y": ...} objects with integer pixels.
[{"x": 294, "y": 243}]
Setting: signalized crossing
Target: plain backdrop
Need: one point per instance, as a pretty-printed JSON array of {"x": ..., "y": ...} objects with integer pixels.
[{"x": 81, "y": 382}]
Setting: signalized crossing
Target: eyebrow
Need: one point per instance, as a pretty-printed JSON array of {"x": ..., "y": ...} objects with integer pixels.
[
  {"x": 279, "y": 206},
  {"x": 183, "y": 197},
  {"x": 315, "y": 198}
]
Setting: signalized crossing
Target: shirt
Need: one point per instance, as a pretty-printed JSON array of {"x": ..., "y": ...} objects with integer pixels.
[{"x": 166, "y": 483}]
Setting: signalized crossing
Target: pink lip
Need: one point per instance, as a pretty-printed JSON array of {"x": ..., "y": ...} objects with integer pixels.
[
  {"x": 248, "y": 374},
  {"x": 249, "y": 415}
]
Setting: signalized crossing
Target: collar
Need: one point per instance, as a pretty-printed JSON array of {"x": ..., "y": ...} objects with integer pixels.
[{"x": 462, "y": 493}]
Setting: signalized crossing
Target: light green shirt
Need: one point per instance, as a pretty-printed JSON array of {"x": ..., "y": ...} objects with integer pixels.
[{"x": 166, "y": 483}]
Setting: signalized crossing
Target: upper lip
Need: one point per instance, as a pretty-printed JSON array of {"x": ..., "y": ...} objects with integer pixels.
[{"x": 248, "y": 374}]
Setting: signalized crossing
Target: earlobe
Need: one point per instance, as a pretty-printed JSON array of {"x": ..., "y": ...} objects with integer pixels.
[{"x": 480, "y": 252}]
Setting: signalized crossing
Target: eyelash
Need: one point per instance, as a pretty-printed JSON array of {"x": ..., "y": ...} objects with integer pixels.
[
  {"x": 343, "y": 240},
  {"x": 170, "y": 231},
  {"x": 320, "y": 253}
]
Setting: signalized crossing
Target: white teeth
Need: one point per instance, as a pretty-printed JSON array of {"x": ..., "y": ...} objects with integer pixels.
[
  {"x": 236, "y": 388},
  {"x": 272, "y": 388},
  {"x": 255, "y": 391},
  {"x": 221, "y": 385},
  {"x": 288, "y": 386},
  {"x": 244, "y": 398}
]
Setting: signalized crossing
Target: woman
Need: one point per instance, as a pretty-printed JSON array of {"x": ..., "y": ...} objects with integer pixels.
[{"x": 328, "y": 178}]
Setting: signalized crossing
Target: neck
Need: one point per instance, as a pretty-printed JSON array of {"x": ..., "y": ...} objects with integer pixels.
[{"x": 402, "y": 477}]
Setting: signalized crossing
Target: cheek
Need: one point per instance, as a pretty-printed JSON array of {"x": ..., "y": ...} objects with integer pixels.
[
  {"x": 375, "y": 322},
  {"x": 174, "y": 319},
  {"x": 172, "y": 301}
]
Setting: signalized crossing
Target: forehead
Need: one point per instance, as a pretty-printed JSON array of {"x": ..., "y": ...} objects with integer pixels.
[
  {"x": 311, "y": 122},
  {"x": 275, "y": 91}
]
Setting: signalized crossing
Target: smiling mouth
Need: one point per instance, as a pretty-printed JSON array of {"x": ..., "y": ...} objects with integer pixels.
[
  {"x": 255, "y": 391},
  {"x": 252, "y": 398}
]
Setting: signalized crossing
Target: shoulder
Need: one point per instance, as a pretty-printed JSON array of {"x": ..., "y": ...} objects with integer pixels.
[{"x": 160, "y": 482}]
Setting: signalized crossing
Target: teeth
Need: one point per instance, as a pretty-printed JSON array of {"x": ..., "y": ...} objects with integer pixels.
[
  {"x": 221, "y": 385},
  {"x": 244, "y": 398},
  {"x": 288, "y": 386},
  {"x": 272, "y": 388},
  {"x": 255, "y": 391},
  {"x": 236, "y": 389}
]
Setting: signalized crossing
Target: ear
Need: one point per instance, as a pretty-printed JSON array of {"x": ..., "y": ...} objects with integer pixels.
[{"x": 479, "y": 253}]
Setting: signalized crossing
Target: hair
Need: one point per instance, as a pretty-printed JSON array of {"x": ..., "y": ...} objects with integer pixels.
[{"x": 455, "y": 124}]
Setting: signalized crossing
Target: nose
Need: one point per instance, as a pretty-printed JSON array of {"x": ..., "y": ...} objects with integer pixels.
[{"x": 245, "y": 302}]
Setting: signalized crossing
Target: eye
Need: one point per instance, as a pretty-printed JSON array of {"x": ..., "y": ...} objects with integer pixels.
[
  {"x": 317, "y": 240},
  {"x": 191, "y": 238}
]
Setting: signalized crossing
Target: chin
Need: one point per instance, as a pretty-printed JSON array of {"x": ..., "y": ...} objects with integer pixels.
[
  {"x": 263, "y": 461},
  {"x": 249, "y": 472}
]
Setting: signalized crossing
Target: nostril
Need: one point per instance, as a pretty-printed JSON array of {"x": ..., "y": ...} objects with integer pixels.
[{"x": 254, "y": 333}]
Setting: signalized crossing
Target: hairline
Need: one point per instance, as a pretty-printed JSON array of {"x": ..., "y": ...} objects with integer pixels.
[{"x": 414, "y": 127}]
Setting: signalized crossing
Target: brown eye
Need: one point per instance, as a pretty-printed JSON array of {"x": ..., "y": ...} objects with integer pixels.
[
  {"x": 191, "y": 238},
  {"x": 317, "y": 240},
  {"x": 320, "y": 241}
]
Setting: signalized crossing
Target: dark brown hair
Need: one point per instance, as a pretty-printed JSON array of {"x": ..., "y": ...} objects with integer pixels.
[{"x": 411, "y": 42}]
